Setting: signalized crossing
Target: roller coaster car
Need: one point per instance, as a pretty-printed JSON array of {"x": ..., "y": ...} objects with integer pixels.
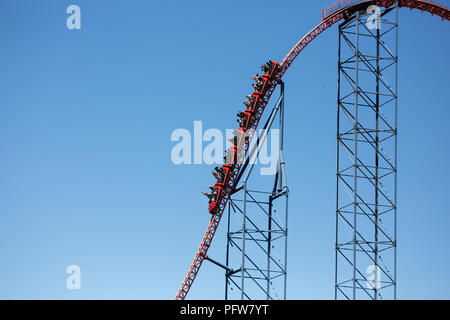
[
  {"x": 257, "y": 96},
  {"x": 221, "y": 186},
  {"x": 267, "y": 77},
  {"x": 213, "y": 205},
  {"x": 273, "y": 69},
  {"x": 250, "y": 112}
]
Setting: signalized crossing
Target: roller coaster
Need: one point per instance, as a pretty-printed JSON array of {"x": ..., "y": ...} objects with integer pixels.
[{"x": 229, "y": 174}]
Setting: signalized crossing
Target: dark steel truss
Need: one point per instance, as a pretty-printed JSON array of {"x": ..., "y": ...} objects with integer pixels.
[
  {"x": 366, "y": 179},
  {"x": 257, "y": 226}
]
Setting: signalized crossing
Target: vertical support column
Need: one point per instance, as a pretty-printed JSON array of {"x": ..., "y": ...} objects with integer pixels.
[
  {"x": 286, "y": 242},
  {"x": 355, "y": 152},
  {"x": 337, "y": 168},
  {"x": 227, "y": 255},
  {"x": 395, "y": 157},
  {"x": 283, "y": 187},
  {"x": 377, "y": 151},
  {"x": 243, "y": 232},
  {"x": 269, "y": 245},
  {"x": 366, "y": 178}
]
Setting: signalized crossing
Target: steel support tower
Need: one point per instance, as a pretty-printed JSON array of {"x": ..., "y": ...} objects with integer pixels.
[
  {"x": 366, "y": 179},
  {"x": 256, "y": 248}
]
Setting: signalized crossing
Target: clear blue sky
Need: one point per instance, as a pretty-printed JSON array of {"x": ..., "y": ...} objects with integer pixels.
[{"x": 85, "y": 123}]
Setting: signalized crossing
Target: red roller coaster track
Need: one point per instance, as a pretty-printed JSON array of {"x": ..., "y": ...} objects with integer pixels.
[{"x": 331, "y": 15}]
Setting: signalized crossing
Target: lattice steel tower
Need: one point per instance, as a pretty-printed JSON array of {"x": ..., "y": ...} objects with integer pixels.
[{"x": 366, "y": 180}]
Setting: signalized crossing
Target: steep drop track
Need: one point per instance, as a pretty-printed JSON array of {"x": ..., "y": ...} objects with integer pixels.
[{"x": 331, "y": 15}]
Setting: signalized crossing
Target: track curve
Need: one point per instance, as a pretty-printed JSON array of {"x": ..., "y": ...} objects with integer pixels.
[{"x": 331, "y": 15}]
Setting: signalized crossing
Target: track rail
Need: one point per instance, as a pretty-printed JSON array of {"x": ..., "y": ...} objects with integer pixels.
[{"x": 330, "y": 16}]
